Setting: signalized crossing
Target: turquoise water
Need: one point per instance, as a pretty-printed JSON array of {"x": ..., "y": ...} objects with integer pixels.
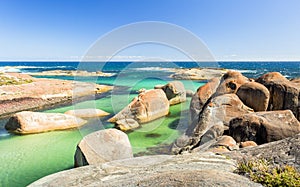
[{"x": 26, "y": 158}]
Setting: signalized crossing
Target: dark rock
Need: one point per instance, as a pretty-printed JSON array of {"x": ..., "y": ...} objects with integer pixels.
[{"x": 264, "y": 127}]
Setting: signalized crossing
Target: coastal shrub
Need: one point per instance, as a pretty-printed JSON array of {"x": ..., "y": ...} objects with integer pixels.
[
  {"x": 4, "y": 80},
  {"x": 262, "y": 171}
]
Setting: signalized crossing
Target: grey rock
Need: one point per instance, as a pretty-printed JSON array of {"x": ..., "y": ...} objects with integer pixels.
[
  {"x": 205, "y": 169},
  {"x": 282, "y": 152}
]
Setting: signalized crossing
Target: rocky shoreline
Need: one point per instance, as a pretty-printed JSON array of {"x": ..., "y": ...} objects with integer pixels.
[{"x": 38, "y": 94}]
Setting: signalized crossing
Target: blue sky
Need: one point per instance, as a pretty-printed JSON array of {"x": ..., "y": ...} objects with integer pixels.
[{"x": 231, "y": 29}]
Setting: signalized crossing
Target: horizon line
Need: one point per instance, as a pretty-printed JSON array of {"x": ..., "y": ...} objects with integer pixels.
[{"x": 149, "y": 61}]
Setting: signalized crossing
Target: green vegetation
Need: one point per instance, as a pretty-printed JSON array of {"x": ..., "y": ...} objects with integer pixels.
[
  {"x": 6, "y": 80},
  {"x": 262, "y": 171}
]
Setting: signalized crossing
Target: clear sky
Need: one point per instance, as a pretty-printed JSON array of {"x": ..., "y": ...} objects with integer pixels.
[{"x": 232, "y": 29}]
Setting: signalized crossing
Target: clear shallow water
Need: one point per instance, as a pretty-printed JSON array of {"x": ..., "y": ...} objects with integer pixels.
[{"x": 24, "y": 159}]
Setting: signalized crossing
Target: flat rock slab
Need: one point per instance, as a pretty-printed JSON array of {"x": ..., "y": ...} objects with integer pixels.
[
  {"x": 197, "y": 74},
  {"x": 204, "y": 169}
]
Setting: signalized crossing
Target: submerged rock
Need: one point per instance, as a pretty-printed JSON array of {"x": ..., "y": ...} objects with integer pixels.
[
  {"x": 87, "y": 113},
  {"x": 147, "y": 106},
  {"x": 264, "y": 127},
  {"x": 102, "y": 146},
  {"x": 27, "y": 122}
]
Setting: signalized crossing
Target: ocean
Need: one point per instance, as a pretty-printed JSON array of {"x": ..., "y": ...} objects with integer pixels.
[{"x": 24, "y": 159}]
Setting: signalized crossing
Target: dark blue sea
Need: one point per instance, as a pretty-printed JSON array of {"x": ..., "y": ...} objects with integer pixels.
[{"x": 249, "y": 69}]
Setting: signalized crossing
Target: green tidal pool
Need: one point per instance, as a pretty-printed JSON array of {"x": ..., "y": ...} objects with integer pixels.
[{"x": 24, "y": 159}]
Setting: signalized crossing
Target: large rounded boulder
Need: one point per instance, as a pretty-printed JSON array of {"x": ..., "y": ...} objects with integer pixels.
[
  {"x": 230, "y": 82},
  {"x": 103, "y": 146},
  {"x": 254, "y": 95},
  {"x": 147, "y": 106}
]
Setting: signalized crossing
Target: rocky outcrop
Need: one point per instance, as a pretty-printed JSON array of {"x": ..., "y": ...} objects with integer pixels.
[
  {"x": 198, "y": 74},
  {"x": 39, "y": 94},
  {"x": 202, "y": 95},
  {"x": 87, "y": 113},
  {"x": 205, "y": 169},
  {"x": 213, "y": 120},
  {"x": 175, "y": 92},
  {"x": 27, "y": 122},
  {"x": 284, "y": 94},
  {"x": 102, "y": 146},
  {"x": 254, "y": 95},
  {"x": 147, "y": 106},
  {"x": 282, "y": 152},
  {"x": 264, "y": 127}
]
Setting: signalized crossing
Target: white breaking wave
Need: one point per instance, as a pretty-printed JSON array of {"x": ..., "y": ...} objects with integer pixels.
[
  {"x": 244, "y": 71},
  {"x": 153, "y": 69}
]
